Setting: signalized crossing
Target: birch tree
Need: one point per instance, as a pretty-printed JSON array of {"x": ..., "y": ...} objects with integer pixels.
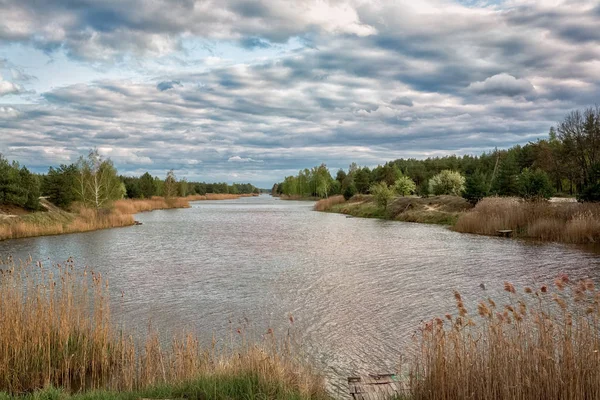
[{"x": 97, "y": 182}]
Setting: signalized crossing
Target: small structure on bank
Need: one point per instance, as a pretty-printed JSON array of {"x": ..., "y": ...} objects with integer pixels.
[{"x": 374, "y": 387}]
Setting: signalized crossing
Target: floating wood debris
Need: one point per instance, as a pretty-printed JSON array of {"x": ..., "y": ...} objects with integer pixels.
[
  {"x": 374, "y": 387},
  {"x": 505, "y": 232}
]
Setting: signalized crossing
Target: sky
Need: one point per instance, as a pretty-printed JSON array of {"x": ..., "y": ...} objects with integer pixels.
[{"x": 252, "y": 91}]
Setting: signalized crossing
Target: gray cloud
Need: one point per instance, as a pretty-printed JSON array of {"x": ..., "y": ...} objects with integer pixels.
[
  {"x": 385, "y": 80},
  {"x": 166, "y": 85}
]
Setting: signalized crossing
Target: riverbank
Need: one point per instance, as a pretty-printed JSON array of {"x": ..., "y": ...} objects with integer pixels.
[
  {"x": 558, "y": 221},
  {"x": 442, "y": 210},
  {"x": 55, "y": 221}
]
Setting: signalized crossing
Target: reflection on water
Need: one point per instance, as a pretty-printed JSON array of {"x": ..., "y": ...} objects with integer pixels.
[{"x": 357, "y": 288}]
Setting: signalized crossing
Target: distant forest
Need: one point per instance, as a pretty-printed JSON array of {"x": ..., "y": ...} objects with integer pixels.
[
  {"x": 95, "y": 182},
  {"x": 566, "y": 163}
]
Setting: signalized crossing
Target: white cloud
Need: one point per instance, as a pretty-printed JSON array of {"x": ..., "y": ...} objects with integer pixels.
[
  {"x": 7, "y": 88},
  {"x": 238, "y": 159},
  {"x": 502, "y": 85}
]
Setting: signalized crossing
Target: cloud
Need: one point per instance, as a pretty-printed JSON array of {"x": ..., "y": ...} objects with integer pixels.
[
  {"x": 368, "y": 82},
  {"x": 238, "y": 159},
  {"x": 502, "y": 85},
  {"x": 402, "y": 101},
  {"x": 7, "y": 88},
  {"x": 166, "y": 85}
]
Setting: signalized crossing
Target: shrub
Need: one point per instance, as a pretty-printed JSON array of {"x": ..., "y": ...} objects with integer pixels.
[
  {"x": 534, "y": 184},
  {"x": 349, "y": 191},
  {"x": 382, "y": 194},
  {"x": 447, "y": 182},
  {"x": 405, "y": 186}
]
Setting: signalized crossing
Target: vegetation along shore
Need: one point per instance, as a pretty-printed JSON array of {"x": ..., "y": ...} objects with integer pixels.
[
  {"x": 508, "y": 190},
  {"x": 90, "y": 195},
  {"x": 58, "y": 339}
]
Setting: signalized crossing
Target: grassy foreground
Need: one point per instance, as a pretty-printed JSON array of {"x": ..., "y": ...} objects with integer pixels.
[
  {"x": 56, "y": 331},
  {"x": 59, "y": 341},
  {"x": 55, "y": 221},
  {"x": 443, "y": 210},
  {"x": 542, "y": 343}
]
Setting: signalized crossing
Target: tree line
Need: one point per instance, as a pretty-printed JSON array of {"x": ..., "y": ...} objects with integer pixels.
[
  {"x": 567, "y": 162},
  {"x": 94, "y": 182}
]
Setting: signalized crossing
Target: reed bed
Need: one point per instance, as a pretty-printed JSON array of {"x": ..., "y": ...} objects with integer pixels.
[
  {"x": 559, "y": 222},
  {"x": 56, "y": 330},
  {"x": 134, "y": 206},
  {"x": 59, "y": 222},
  {"x": 326, "y": 204},
  {"x": 543, "y": 343}
]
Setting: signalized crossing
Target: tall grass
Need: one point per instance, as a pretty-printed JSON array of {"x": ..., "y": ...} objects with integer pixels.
[
  {"x": 59, "y": 222},
  {"x": 560, "y": 222},
  {"x": 134, "y": 206},
  {"x": 544, "y": 343},
  {"x": 56, "y": 329},
  {"x": 326, "y": 204}
]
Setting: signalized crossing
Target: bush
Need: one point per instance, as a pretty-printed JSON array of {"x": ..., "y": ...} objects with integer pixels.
[
  {"x": 447, "y": 182},
  {"x": 382, "y": 194},
  {"x": 534, "y": 184},
  {"x": 405, "y": 186},
  {"x": 349, "y": 192}
]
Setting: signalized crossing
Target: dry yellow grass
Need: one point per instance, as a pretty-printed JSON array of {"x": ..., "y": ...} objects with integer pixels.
[
  {"x": 56, "y": 329},
  {"x": 560, "y": 222},
  {"x": 544, "y": 343},
  {"x": 56, "y": 221},
  {"x": 59, "y": 222},
  {"x": 326, "y": 204}
]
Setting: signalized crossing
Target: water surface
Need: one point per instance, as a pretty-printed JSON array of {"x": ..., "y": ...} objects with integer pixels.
[{"x": 356, "y": 288}]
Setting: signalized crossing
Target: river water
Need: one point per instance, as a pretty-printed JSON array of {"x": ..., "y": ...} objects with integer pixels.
[{"x": 356, "y": 288}]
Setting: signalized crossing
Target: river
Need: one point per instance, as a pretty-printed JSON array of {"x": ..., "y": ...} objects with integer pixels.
[{"x": 356, "y": 288}]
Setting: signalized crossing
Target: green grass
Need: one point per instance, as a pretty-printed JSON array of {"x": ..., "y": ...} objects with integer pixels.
[
  {"x": 440, "y": 210},
  {"x": 207, "y": 387}
]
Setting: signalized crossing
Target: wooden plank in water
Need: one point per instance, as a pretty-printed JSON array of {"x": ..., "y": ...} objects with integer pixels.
[{"x": 374, "y": 387}]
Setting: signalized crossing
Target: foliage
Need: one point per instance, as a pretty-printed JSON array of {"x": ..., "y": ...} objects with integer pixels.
[
  {"x": 59, "y": 185},
  {"x": 534, "y": 184},
  {"x": 97, "y": 183},
  {"x": 475, "y": 187},
  {"x": 382, "y": 194},
  {"x": 18, "y": 186},
  {"x": 447, "y": 182},
  {"x": 349, "y": 191},
  {"x": 404, "y": 186}
]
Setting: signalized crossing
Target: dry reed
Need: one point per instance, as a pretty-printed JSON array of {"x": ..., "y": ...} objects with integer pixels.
[
  {"x": 560, "y": 222},
  {"x": 543, "y": 344},
  {"x": 59, "y": 222},
  {"x": 56, "y": 329},
  {"x": 326, "y": 204}
]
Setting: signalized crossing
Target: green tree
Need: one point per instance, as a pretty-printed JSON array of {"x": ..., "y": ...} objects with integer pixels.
[
  {"x": 382, "y": 194},
  {"x": 534, "y": 184},
  {"x": 170, "y": 187},
  {"x": 475, "y": 187},
  {"x": 505, "y": 183},
  {"x": 59, "y": 185},
  {"x": 349, "y": 192},
  {"x": 97, "y": 183},
  {"x": 362, "y": 180},
  {"x": 405, "y": 186},
  {"x": 447, "y": 182},
  {"x": 147, "y": 187}
]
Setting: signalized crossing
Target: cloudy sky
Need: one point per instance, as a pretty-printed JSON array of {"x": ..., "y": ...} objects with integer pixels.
[{"x": 251, "y": 91}]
